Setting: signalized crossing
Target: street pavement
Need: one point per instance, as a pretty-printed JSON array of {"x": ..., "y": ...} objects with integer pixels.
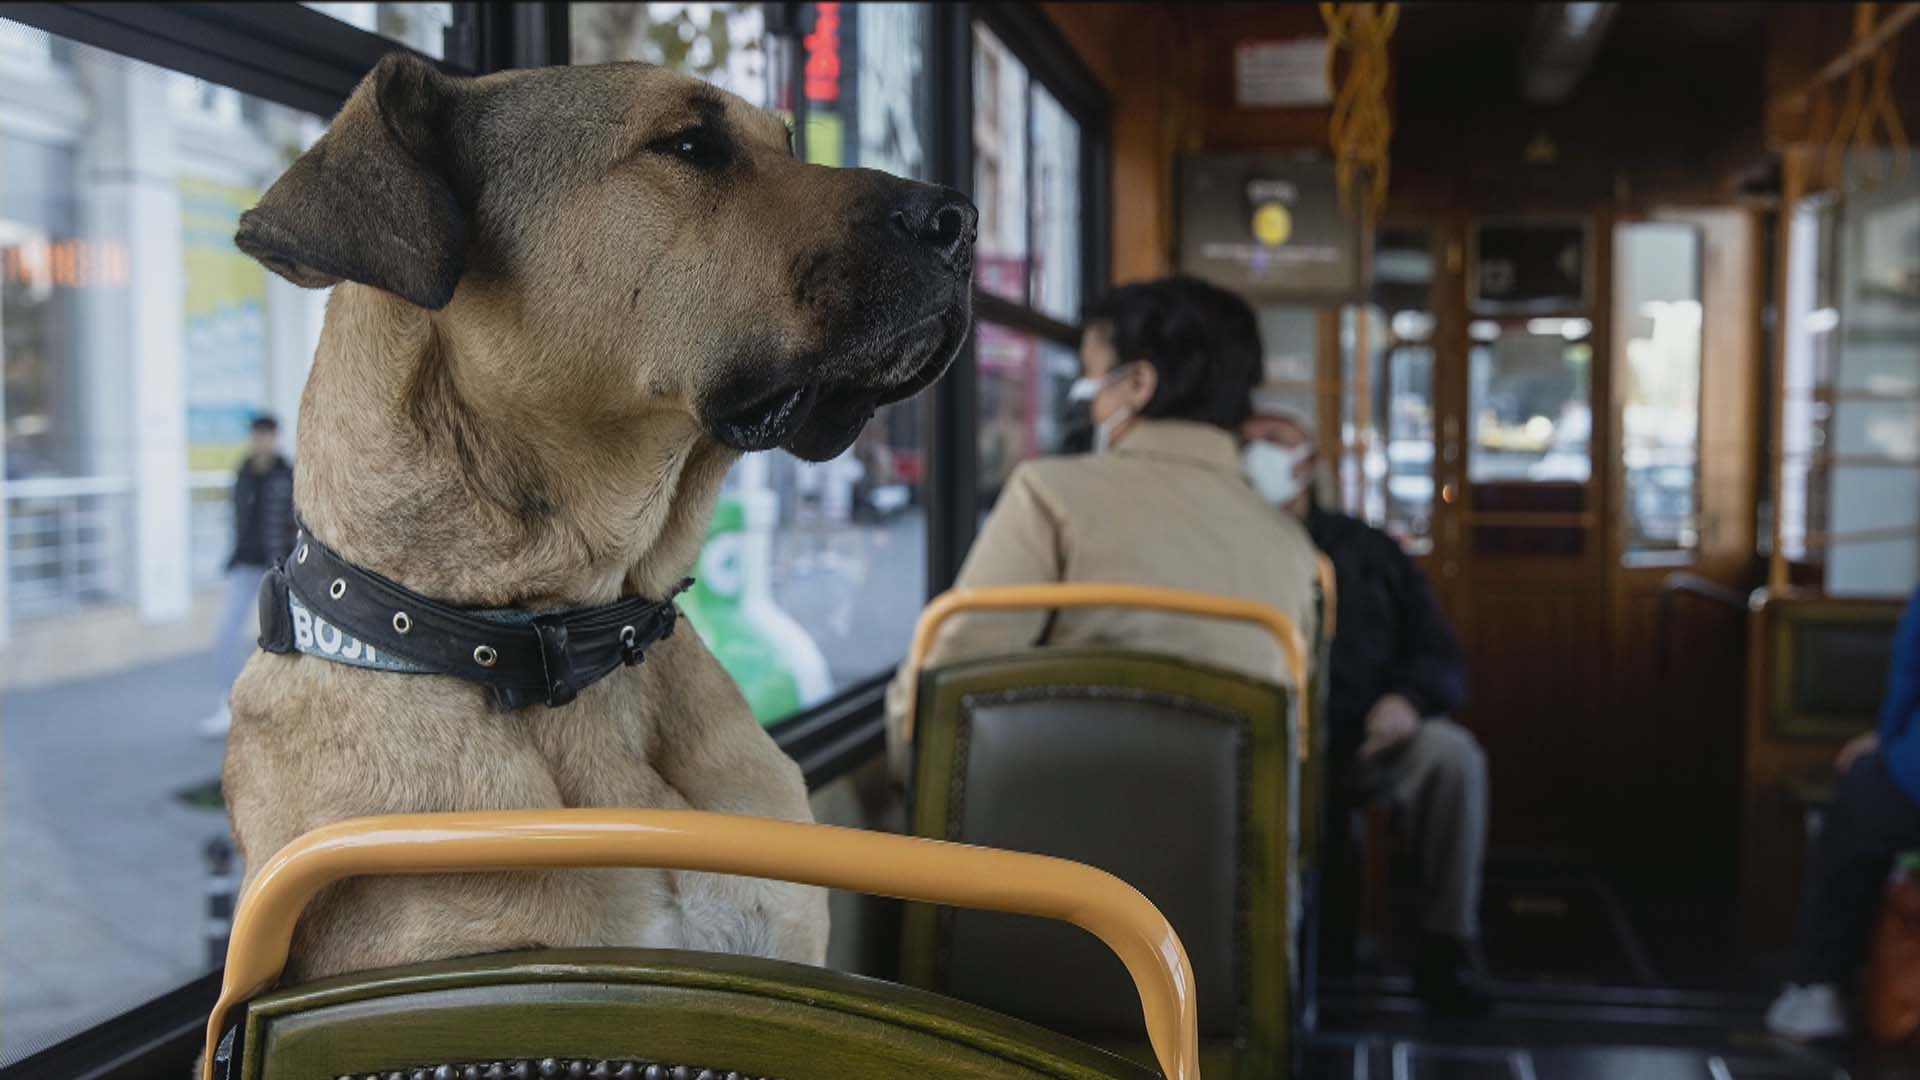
[{"x": 102, "y": 895}]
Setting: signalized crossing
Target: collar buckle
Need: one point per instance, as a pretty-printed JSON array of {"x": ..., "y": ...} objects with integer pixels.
[{"x": 556, "y": 660}]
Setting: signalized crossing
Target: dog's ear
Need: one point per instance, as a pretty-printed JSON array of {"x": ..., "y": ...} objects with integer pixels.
[{"x": 372, "y": 200}]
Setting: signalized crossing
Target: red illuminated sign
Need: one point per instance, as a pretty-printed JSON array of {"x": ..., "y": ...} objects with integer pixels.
[{"x": 823, "y": 54}]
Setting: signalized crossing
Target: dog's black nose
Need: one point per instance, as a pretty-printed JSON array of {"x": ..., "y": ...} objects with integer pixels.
[{"x": 943, "y": 220}]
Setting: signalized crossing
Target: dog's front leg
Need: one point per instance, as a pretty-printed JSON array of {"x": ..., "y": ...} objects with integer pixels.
[{"x": 709, "y": 749}]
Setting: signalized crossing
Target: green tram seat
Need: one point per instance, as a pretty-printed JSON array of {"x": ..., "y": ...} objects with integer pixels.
[
  {"x": 1174, "y": 776},
  {"x": 670, "y": 1015}
]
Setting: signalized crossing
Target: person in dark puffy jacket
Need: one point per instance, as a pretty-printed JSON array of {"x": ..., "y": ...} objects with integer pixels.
[
  {"x": 1394, "y": 674},
  {"x": 263, "y": 531}
]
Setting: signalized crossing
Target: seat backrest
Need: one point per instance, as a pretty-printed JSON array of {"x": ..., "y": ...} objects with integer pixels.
[{"x": 1174, "y": 776}]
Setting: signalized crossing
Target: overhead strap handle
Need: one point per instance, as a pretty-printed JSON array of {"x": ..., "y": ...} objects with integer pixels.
[{"x": 908, "y": 868}]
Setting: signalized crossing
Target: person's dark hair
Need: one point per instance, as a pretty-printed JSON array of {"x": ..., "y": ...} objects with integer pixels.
[
  {"x": 264, "y": 422},
  {"x": 1203, "y": 342}
]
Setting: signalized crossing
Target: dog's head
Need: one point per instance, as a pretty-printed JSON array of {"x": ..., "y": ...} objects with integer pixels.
[{"x": 637, "y": 239}]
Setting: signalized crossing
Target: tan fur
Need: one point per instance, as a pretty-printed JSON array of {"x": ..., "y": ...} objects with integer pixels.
[{"x": 543, "y": 438}]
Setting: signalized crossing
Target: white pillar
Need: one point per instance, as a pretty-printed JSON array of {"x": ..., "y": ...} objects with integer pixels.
[
  {"x": 128, "y": 177},
  {"x": 294, "y": 316}
]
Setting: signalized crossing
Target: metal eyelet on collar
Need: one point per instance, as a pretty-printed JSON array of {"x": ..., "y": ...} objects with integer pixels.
[
  {"x": 338, "y": 589},
  {"x": 485, "y": 656},
  {"x": 302, "y": 557},
  {"x": 401, "y": 623},
  {"x": 628, "y": 635}
]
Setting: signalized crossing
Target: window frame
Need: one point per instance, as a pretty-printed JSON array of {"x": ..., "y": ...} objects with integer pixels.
[{"x": 294, "y": 56}]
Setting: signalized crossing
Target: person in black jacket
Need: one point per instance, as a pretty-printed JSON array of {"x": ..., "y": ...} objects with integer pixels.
[
  {"x": 262, "y": 532},
  {"x": 1395, "y": 674}
]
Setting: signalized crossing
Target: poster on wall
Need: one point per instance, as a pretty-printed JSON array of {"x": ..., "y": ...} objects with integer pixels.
[
  {"x": 1267, "y": 225},
  {"x": 226, "y": 325},
  {"x": 1281, "y": 74}
]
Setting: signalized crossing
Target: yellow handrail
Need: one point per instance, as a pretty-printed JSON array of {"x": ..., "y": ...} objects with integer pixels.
[
  {"x": 905, "y": 867},
  {"x": 1085, "y": 595}
]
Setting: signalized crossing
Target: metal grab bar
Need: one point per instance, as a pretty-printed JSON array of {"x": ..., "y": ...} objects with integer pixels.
[{"x": 908, "y": 868}]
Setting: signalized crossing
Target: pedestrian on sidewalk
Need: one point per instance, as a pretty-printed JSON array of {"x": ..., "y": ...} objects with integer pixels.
[{"x": 262, "y": 532}]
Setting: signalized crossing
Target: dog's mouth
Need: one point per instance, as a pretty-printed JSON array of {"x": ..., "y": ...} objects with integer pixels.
[{"x": 818, "y": 420}]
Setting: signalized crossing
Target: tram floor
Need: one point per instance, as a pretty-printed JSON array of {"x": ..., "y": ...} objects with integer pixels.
[{"x": 1372, "y": 1029}]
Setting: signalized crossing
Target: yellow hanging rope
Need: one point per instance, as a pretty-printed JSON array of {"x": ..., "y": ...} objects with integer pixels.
[
  {"x": 1362, "y": 123},
  {"x": 1870, "y": 110}
]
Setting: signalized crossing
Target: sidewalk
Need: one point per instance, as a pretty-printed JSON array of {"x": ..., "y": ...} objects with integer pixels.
[{"x": 102, "y": 896}]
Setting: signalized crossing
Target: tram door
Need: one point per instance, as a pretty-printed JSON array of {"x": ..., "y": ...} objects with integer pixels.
[
  {"x": 1480, "y": 452},
  {"x": 1555, "y": 414}
]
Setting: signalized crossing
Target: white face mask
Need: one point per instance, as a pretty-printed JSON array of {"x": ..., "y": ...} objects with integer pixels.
[
  {"x": 1103, "y": 434},
  {"x": 1086, "y": 388},
  {"x": 1273, "y": 470}
]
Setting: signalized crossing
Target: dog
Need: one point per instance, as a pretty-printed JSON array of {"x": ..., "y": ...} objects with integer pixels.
[{"x": 565, "y": 301}]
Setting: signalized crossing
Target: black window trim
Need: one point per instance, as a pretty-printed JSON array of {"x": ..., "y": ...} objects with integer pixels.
[
  {"x": 280, "y": 52},
  {"x": 160, "y": 1036}
]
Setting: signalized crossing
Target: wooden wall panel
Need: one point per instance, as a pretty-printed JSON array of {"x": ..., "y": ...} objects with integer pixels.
[{"x": 1168, "y": 69}]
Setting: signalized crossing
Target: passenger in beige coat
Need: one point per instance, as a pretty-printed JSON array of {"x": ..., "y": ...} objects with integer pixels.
[{"x": 1170, "y": 366}]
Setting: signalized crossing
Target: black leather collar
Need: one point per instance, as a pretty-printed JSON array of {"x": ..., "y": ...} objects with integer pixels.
[{"x": 523, "y": 657}]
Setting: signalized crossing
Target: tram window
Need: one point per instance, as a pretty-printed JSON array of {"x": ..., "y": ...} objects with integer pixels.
[
  {"x": 1028, "y": 280},
  {"x": 1529, "y": 396},
  {"x": 1023, "y": 381},
  {"x": 812, "y": 574},
  {"x": 424, "y": 28},
  {"x": 1849, "y": 499},
  {"x": 1405, "y": 416},
  {"x": 1387, "y": 404},
  {"x": 1872, "y": 537},
  {"x": 137, "y": 344},
  {"x": 1657, "y": 293},
  {"x": 1812, "y": 342}
]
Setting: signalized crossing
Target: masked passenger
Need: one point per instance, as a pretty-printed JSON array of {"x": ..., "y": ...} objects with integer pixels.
[
  {"x": 1168, "y": 369},
  {"x": 1395, "y": 672}
]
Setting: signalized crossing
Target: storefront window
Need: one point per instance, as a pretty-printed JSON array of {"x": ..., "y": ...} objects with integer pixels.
[
  {"x": 812, "y": 574},
  {"x": 1056, "y": 209},
  {"x": 1000, "y": 111},
  {"x": 137, "y": 343}
]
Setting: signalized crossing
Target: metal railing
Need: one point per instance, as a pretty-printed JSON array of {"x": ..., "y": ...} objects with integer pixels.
[{"x": 67, "y": 543}]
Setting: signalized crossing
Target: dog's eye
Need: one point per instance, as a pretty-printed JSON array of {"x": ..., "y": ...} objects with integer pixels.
[{"x": 698, "y": 146}]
